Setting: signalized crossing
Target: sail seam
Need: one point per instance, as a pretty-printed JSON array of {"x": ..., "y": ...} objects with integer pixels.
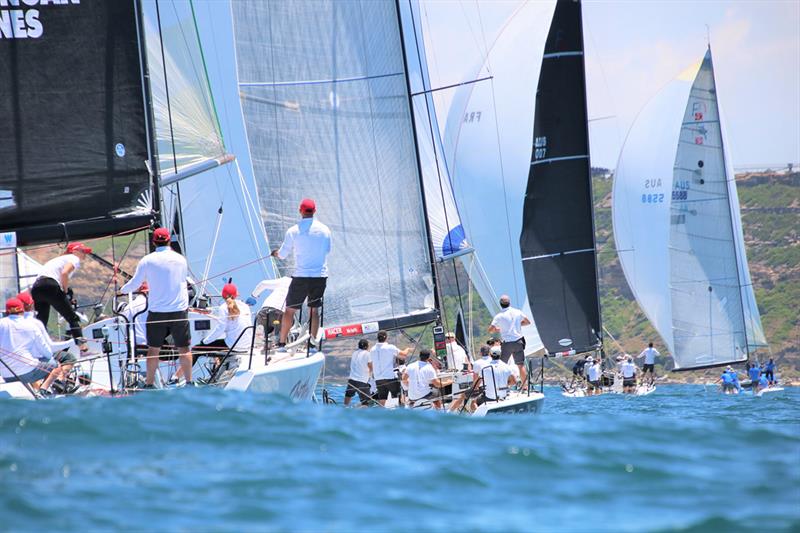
[
  {"x": 554, "y": 159},
  {"x": 555, "y": 55},
  {"x": 315, "y": 82},
  {"x": 546, "y": 256}
]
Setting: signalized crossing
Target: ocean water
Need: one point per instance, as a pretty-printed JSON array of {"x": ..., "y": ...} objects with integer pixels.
[{"x": 682, "y": 458}]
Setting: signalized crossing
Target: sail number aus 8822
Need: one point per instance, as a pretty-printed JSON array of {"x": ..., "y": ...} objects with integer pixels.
[{"x": 655, "y": 198}]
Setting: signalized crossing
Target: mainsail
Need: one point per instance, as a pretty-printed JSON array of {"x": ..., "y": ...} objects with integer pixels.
[
  {"x": 76, "y": 139},
  {"x": 677, "y": 225},
  {"x": 557, "y": 238},
  {"x": 325, "y": 100}
]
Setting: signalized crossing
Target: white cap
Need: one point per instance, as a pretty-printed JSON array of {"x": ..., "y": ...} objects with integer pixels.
[
  {"x": 495, "y": 350},
  {"x": 590, "y": 359}
]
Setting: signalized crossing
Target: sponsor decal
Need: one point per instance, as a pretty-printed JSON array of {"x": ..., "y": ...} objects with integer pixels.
[
  {"x": 539, "y": 147},
  {"x": 565, "y": 342},
  {"x": 344, "y": 331},
  {"x": 8, "y": 239},
  {"x": 300, "y": 391},
  {"x": 119, "y": 149},
  {"x": 699, "y": 110},
  {"x": 23, "y": 21}
]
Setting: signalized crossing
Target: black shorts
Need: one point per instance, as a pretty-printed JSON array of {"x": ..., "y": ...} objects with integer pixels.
[
  {"x": 513, "y": 348},
  {"x": 359, "y": 387},
  {"x": 648, "y": 367},
  {"x": 594, "y": 385},
  {"x": 385, "y": 386},
  {"x": 302, "y": 288},
  {"x": 629, "y": 382},
  {"x": 175, "y": 323}
]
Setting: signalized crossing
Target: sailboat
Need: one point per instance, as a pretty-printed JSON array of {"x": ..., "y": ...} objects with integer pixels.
[
  {"x": 144, "y": 151},
  {"x": 677, "y": 226}
]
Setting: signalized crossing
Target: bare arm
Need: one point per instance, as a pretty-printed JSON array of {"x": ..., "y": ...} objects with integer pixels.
[
  {"x": 494, "y": 329},
  {"x": 525, "y": 321},
  {"x": 68, "y": 268},
  {"x": 402, "y": 354}
]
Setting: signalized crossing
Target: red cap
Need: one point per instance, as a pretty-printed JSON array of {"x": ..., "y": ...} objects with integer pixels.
[
  {"x": 230, "y": 291},
  {"x": 308, "y": 206},
  {"x": 78, "y": 247},
  {"x": 161, "y": 235},
  {"x": 25, "y": 298},
  {"x": 13, "y": 305}
]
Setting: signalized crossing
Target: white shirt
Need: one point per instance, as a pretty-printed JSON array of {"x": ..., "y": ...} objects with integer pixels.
[
  {"x": 276, "y": 298},
  {"x": 55, "y": 346},
  {"x": 139, "y": 322},
  {"x": 359, "y": 369},
  {"x": 55, "y": 267},
  {"x": 165, "y": 271},
  {"x": 480, "y": 364},
  {"x": 22, "y": 346},
  {"x": 649, "y": 355},
  {"x": 230, "y": 328},
  {"x": 420, "y": 375},
  {"x": 456, "y": 356},
  {"x": 509, "y": 321},
  {"x": 628, "y": 369},
  {"x": 594, "y": 371},
  {"x": 497, "y": 387},
  {"x": 310, "y": 240},
  {"x": 382, "y": 357}
]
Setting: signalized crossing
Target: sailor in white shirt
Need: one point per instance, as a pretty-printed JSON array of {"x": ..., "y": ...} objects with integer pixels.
[
  {"x": 51, "y": 289},
  {"x": 25, "y": 353},
  {"x": 421, "y": 378},
  {"x": 508, "y": 323},
  {"x": 360, "y": 371},
  {"x": 310, "y": 242},
  {"x": 594, "y": 373},
  {"x": 628, "y": 370},
  {"x": 231, "y": 319},
  {"x": 649, "y": 355},
  {"x": 457, "y": 358},
  {"x": 497, "y": 378},
  {"x": 383, "y": 357},
  {"x": 274, "y": 304},
  {"x": 165, "y": 271}
]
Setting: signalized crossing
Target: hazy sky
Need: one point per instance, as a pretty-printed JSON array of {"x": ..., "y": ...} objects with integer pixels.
[{"x": 633, "y": 48}]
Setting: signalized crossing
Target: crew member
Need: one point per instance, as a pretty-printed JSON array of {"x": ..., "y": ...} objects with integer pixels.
[
  {"x": 383, "y": 357},
  {"x": 769, "y": 371},
  {"x": 421, "y": 377},
  {"x": 233, "y": 319},
  {"x": 754, "y": 373},
  {"x": 25, "y": 353},
  {"x": 310, "y": 242},
  {"x": 165, "y": 271},
  {"x": 508, "y": 323},
  {"x": 727, "y": 381},
  {"x": 497, "y": 378},
  {"x": 628, "y": 370},
  {"x": 457, "y": 358},
  {"x": 28, "y": 306},
  {"x": 649, "y": 355},
  {"x": 593, "y": 374},
  {"x": 274, "y": 305},
  {"x": 51, "y": 289},
  {"x": 578, "y": 369},
  {"x": 763, "y": 383},
  {"x": 360, "y": 371}
]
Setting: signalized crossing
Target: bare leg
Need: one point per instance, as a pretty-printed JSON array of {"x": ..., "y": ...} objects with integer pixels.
[
  {"x": 56, "y": 374},
  {"x": 286, "y": 323},
  {"x": 314, "y": 312},
  {"x": 186, "y": 362},
  {"x": 152, "y": 364},
  {"x": 523, "y": 374}
]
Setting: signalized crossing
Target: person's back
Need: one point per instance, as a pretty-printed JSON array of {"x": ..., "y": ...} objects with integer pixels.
[
  {"x": 237, "y": 325},
  {"x": 509, "y": 323},
  {"x": 359, "y": 366},
  {"x": 383, "y": 360},
  {"x": 166, "y": 271},
  {"x": 763, "y": 382},
  {"x": 420, "y": 375},
  {"x": 628, "y": 370},
  {"x": 22, "y": 347},
  {"x": 495, "y": 378},
  {"x": 312, "y": 242},
  {"x": 754, "y": 373}
]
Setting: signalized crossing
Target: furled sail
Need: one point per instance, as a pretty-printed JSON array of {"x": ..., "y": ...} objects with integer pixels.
[
  {"x": 708, "y": 316},
  {"x": 325, "y": 101},
  {"x": 487, "y": 146},
  {"x": 75, "y": 143},
  {"x": 557, "y": 238}
]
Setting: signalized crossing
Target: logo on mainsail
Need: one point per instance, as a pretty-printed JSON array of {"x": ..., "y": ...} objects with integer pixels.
[{"x": 565, "y": 342}]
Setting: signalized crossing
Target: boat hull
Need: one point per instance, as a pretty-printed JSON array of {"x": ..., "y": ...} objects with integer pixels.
[{"x": 514, "y": 403}]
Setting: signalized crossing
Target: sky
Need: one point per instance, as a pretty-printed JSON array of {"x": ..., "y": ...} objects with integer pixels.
[{"x": 633, "y": 48}]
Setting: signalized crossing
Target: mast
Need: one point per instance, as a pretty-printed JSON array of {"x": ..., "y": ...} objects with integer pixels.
[
  {"x": 429, "y": 239},
  {"x": 736, "y": 250}
]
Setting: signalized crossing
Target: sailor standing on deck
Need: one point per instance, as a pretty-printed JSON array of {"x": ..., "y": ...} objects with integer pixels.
[
  {"x": 649, "y": 355},
  {"x": 383, "y": 357},
  {"x": 628, "y": 370},
  {"x": 754, "y": 373},
  {"x": 360, "y": 371},
  {"x": 165, "y": 271},
  {"x": 51, "y": 289},
  {"x": 508, "y": 323},
  {"x": 457, "y": 358},
  {"x": 594, "y": 373},
  {"x": 310, "y": 242}
]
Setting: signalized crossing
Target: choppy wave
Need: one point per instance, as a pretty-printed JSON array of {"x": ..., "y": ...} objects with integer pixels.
[{"x": 683, "y": 458}]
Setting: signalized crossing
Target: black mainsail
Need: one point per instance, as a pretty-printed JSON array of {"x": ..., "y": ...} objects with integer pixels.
[
  {"x": 557, "y": 239},
  {"x": 75, "y": 143}
]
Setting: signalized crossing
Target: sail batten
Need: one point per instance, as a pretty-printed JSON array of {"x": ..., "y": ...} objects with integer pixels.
[{"x": 557, "y": 239}]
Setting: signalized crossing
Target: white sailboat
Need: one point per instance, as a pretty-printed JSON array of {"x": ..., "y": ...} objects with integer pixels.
[{"x": 677, "y": 225}]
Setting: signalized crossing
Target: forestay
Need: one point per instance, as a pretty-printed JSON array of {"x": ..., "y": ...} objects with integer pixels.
[
  {"x": 708, "y": 316},
  {"x": 557, "y": 237},
  {"x": 326, "y": 106},
  {"x": 75, "y": 140}
]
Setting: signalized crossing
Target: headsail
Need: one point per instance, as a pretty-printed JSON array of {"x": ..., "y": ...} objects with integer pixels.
[
  {"x": 557, "y": 238},
  {"x": 326, "y": 106},
  {"x": 708, "y": 317},
  {"x": 76, "y": 142}
]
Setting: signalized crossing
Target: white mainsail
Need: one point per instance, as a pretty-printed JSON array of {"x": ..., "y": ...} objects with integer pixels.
[
  {"x": 325, "y": 101},
  {"x": 677, "y": 225},
  {"x": 487, "y": 145}
]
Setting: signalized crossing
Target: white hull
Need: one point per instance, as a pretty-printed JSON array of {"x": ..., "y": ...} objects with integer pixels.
[
  {"x": 769, "y": 390},
  {"x": 641, "y": 390},
  {"x": 515, "y": 402}
]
